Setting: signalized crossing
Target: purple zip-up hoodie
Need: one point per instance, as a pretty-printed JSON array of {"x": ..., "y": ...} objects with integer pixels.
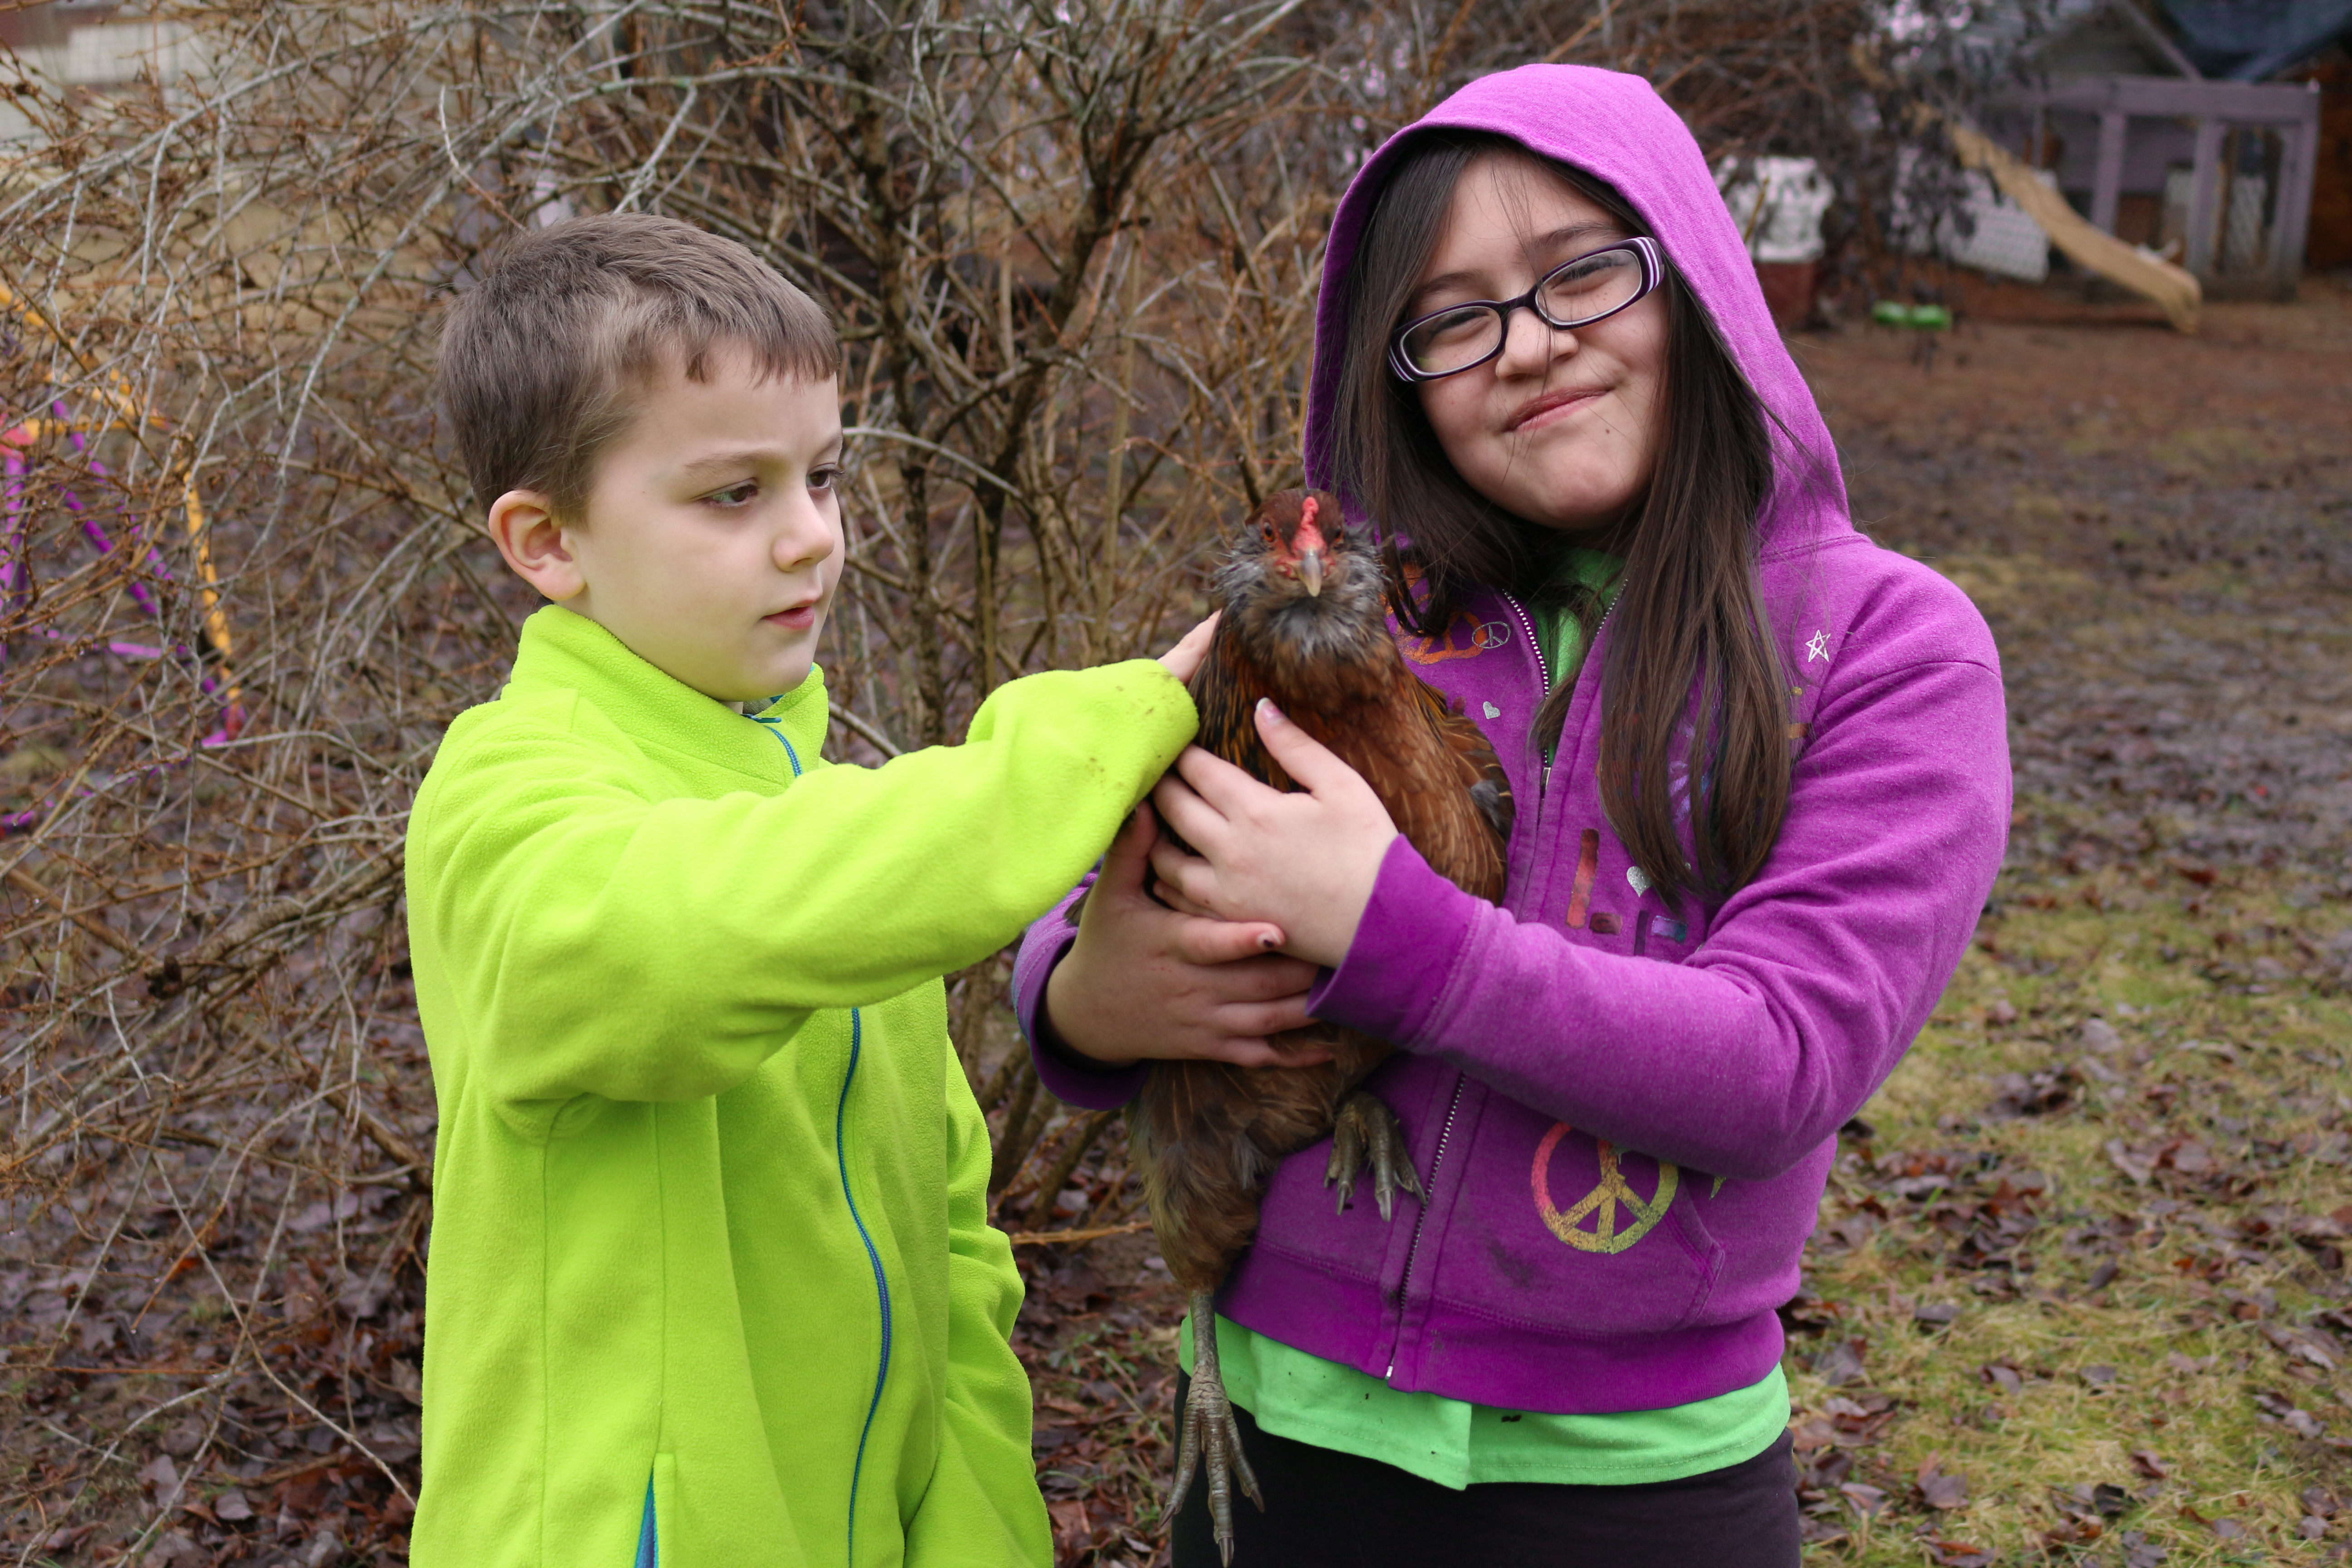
[{"x": 1625, "y": 1116}]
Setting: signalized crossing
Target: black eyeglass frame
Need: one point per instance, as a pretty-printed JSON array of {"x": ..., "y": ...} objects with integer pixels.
[{"x": 1654, "y": 272}]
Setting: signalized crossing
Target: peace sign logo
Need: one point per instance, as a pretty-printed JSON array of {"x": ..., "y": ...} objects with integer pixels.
[
  {"x": 1600, "y": 1204},
  {"x": 1467, "y": 638}
]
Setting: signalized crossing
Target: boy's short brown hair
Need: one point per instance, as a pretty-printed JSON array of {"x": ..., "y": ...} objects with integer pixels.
[{"x": 544, "y": 360}]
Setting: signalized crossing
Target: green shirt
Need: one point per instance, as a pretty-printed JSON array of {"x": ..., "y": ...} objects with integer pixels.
[
  {"x": 1559, "y": 636},
  {"x": 1455, "y": 1444},
  {"x": 699, "y": 1111}
]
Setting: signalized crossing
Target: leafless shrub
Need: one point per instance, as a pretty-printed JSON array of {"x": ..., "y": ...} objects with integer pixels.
[{"x": 1074, "y": 247}]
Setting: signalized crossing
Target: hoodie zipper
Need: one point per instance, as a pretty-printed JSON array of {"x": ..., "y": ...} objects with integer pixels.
[
  {"x": 1413, "y": 1247},
  {"x": 1454, "y": 1105},
  {"x": 1543, "y": 668},
  {"x": 1446, "y": 1131},
  {"x": 873, "y": 1254}
]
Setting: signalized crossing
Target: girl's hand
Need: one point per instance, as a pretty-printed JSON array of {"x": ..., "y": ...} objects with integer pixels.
[
  {"x": 1143, "y": 981},
  {"x": 1189, "y": 651},
  {"x": 1304, "y": 862}
]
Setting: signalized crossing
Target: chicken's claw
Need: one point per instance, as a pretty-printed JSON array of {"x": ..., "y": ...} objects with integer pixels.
[
  {"x": 1365, "y": 1132},
  {"x": 1212, "y": 1439}
]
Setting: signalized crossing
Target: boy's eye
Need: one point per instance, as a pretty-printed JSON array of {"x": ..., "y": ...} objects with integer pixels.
[
  {"x": 735, "y": 495},
  {"x": 823, "y": 478}
]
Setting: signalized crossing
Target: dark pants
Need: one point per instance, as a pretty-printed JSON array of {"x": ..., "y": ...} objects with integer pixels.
[{"x": 1329, "y": 1509}]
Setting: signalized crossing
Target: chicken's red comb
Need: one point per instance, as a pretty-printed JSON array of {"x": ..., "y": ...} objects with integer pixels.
[{"x": 1309, "y": 536}]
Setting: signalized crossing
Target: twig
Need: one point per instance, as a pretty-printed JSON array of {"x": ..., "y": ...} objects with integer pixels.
[{"x": 1072, "y": 1237}]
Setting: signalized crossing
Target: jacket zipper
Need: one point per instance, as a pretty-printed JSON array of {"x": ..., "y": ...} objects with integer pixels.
[
  {"x": 1446, "y": 1131},
  {"x": 1543, "y": 671},
  {"x": 881, "y": 1276},
  {"x": 873, "y": 1254},
  {"x": 1543, "y": 668},
  {"x": 1454, "y": 1105},
  {"x": 1404, "y": 1282}
]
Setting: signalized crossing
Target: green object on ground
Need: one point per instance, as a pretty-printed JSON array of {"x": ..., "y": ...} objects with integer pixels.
[
  {"x": 640, "y": 928},
  {"x": 1919, "y": 318}
]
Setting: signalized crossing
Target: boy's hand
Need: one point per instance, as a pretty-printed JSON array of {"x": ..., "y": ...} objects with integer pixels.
[
  {"x": 1146, "y": 982},
  {"x": 1186, "y": 656}
]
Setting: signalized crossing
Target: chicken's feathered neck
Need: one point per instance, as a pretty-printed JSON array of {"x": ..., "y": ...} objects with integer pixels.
[{"x": 1311, "y": 650}]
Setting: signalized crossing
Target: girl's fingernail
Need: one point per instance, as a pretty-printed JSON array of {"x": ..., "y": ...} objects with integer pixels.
[
  {"x": 1266, "y": 940},
  {"x": 1267, "y": 710}
]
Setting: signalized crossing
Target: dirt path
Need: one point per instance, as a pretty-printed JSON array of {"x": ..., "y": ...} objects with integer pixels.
[{"x": 2160, "y": 530}]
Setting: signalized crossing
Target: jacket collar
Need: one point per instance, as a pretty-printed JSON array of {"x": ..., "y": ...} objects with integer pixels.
[{"x": 563, "y": 651}]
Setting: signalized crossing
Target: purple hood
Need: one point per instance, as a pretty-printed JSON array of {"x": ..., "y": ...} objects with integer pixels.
[
  {"x": 1625, "y": 1115},
  {"x": 1613, "y": 125}
]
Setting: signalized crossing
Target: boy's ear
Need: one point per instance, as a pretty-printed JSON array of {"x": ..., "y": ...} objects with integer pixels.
[{"x": 523, "y": 524}]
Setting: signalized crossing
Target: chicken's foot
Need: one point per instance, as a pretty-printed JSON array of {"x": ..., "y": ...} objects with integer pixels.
[
  {"x": 1366, "y": 1134},
  {"x": 1212, "y": 1439}
]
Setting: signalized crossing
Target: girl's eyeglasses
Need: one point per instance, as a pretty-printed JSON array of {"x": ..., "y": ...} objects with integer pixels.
[{"x": 1573, "y": 294}]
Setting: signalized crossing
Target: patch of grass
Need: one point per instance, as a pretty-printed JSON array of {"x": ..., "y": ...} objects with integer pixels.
[{"x": 2110, "y": 1164}]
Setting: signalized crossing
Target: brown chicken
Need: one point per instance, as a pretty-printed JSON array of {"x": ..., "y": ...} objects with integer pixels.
[{"x": 1304, "y": 623}]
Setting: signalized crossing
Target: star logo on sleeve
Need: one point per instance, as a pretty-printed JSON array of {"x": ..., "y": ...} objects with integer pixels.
[{"x": 1819, "y": 648}]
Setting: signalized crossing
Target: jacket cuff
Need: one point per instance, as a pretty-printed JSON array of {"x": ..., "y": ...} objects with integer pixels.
[
  {"x": 1404, "y": 952},
  {"x": 1068, "y": 1076}
]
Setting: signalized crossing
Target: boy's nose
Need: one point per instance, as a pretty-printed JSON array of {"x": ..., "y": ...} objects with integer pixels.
[{"x": 807, "y": 538}]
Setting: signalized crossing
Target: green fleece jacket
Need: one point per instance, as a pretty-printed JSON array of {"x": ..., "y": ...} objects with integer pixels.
[{"x": 710, "y": 1236}]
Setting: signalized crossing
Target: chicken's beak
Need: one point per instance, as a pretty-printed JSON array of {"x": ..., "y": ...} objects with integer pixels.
[{"x": 1310, "y": 572}]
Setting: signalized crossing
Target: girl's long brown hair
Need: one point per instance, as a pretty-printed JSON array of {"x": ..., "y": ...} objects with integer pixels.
[{"x": 1688, "y": 636}]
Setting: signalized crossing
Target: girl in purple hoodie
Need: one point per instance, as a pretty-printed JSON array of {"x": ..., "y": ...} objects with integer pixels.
[{"x": 1763, "y": 786}]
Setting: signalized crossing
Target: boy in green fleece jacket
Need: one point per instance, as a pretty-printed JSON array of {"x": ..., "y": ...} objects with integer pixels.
[{"x": 712, "y": 1281}]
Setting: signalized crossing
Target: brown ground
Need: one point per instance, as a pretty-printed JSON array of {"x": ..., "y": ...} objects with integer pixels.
[
  {"x": 2159, "y": 529},
  {"x": 2079, "y": 1295}
]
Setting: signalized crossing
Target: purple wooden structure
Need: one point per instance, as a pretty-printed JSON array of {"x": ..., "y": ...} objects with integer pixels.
[
  {"x": 2226, "y": 134},
  {"x": 2180, "y": 146}
]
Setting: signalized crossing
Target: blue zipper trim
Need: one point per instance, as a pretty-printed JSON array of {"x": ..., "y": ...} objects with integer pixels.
[
  {"x": 881, "y": 1279},
  {"x": 776, "y": 728},
  {"x": 648, "y": 1548},
  {"x": 873, "y": 1254}
]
